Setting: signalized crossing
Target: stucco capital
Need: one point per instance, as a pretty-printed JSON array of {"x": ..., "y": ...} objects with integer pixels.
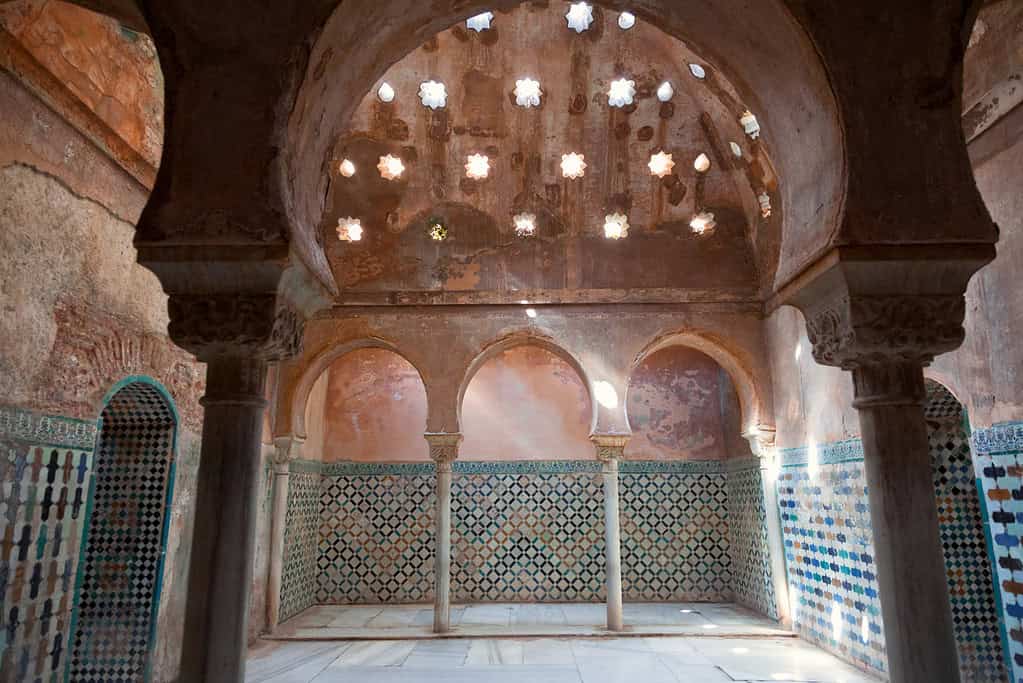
[
  {"x": 443, "y": 447},
  {"x": 761, "y": 441},
  {"x": 257, "y": 325},
  {"x": 610, "y": 446},
  {"x": 286, "y": 449}
]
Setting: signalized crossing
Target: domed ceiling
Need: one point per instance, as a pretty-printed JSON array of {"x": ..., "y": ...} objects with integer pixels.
[{"x": 481, "y": 162}]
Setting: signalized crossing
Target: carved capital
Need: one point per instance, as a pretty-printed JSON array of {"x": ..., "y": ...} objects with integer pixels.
[
  {"x": 286, "y": 449},
  {"x": 851, "y": 331},
  {"x": 443, "y": 447},
  {"x": 761, "y": 441},
  {"x": 610, "y": 447},
  {"x": 237, "y": 324}
]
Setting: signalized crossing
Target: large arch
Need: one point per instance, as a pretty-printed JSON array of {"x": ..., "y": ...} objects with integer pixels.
[
  {"x": 527, "y": 338},
  {"x": 750, "y": 391},
  {"x": 783, "y": 81},
  {"x": 322, "y": 361}
]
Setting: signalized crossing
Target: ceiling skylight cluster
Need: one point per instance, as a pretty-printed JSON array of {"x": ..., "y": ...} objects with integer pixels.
[{"x": 579, "y": 17}]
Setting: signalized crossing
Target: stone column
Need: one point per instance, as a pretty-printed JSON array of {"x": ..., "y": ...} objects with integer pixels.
[
  {"x": 236, "y": 336},
  {"x": 610, "y": 449},
  {"x": 224, "y": 531},
  {"x": 762, "y": 444},
  {"x": 443, "y": 452},
  {"x": 285, "y": 450},
  {"x": 885, "y": 341}
]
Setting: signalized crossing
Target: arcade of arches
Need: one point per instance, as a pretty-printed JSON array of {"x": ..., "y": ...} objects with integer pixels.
[{"x": 431, "y": 332}]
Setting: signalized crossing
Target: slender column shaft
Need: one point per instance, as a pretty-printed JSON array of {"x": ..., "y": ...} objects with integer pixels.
[
  {"x": 224, "y": 530},
  {"x": 613, "y": 544},
  {"x": 912, "y": 583},
  {"x": 443, "y": 452},
  {"x": 442, "y": 562},
  {"x": 278, "y": 515},
  {"x": 775, "y": 545}
]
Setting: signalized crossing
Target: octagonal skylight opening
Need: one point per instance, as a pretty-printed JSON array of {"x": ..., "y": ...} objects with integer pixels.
[
  {"x": 698, "y": 71},
  {"x": 661, "y": 164},
  {"x": 390, "y": 167},
  {"x": 525, "y": 224},
  {"x": 385, "y": 92},
  {"x": 579, "y": 16},
  {"x": 437, "y": 231},
  {"x": 349, "y": 229},
  {"x": 665, "y": 91},
  {"x": 573, "y": 165},
  {"x": 750, "y": 124},
  {"x": 346, "y": 168},
  {"x": 702, "y": 222},
  {"x": 477, "y": 166},
  {"x": 626, "y": 20},
  {"x": 765, "y": 204},
  {"x": 433, "y": 94},
  {"x": 736, "y": 149},
  {"x": 616, "y": 226},
  {"x": 702, "y": 163},
  {"x": 621, "y": 92},
  {"x": 480, "y": 22},
  {"x": 527, "y": 92}
]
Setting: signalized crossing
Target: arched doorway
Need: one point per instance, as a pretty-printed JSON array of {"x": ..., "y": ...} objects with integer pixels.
[
  {"x": 960, "y": 523},
  {"x": 119, "y": 578}
]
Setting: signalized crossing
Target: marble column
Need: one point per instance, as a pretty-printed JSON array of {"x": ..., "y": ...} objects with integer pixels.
[
  {"x": 443, "y": 452},
  {"x": 885, "y": 341},
  {"x": 224, "y": 532},
  {"x": 762, "y": 444},
  {"x": 919, "y": 637},
  {"x": 285, "y": 450},
  {"x": 610, "y": 449}
]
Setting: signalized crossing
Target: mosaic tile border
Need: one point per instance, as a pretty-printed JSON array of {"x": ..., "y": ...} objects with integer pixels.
[
  {"x": 347, "y": 468},
  {"x": 47, "y": 430},
  {"x": 1006, "y": 436},
  {"x": 834, "y": 453}
]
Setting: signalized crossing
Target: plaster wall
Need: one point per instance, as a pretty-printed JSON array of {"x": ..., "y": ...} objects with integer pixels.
[{"x": 78, "y": 313}]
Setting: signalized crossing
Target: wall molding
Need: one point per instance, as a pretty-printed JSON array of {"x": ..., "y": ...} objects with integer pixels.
[
  {"x": 48, "y": 430},
  {"x": 515, "y": 467},
  {"x": 1006, "y": 436},
  {"x": 850, "y": 450}
]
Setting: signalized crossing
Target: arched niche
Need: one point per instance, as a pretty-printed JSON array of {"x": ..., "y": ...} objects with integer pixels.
[
  {"x": 525, "y": 401},
  {"x": 369, "y": 405},
  {"x": 682, "y": 405}
]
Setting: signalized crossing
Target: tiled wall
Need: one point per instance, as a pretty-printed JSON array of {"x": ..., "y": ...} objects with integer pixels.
[
  {"x": 301, "y": 539},
  {"x": 675, "y": 531},
  {"x": 528, "y": 531},
  {"x": 829, "y": 554},
  {"x": 45, "y": 464},
  {"x": 998, "y": 453},
  {"x": 752, "y": 583}
]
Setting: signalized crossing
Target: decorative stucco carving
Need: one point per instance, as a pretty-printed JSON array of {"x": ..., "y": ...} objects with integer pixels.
[
  {"x": 443, "y": 447},
  {"x": 851, "y": 331},
  {"x": 249, "y": 324},
  {"x": 286, "y": 449},
  {"x": 610, "y": 446}
]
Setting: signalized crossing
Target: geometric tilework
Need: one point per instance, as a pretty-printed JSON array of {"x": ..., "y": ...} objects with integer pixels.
[
  {"x": 120, "y": 572},
  {"x": 44, "y": 479},
  {"x": 829, "y": 555},
  {"x": 376, "y": 539},
  {"x": 998, "y": 457},
  {"x": 752, "y": 583},
  {"x": 528, "y": 537},
  {"x": 960, "y": 522},
  {"x": 301, "y": 541},
  {"x": 675, "y": 537}
]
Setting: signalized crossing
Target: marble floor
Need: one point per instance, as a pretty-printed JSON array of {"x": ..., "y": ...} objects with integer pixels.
[
  {"x": 518, "y": 620},
  {"x": 669, "y": 659}
]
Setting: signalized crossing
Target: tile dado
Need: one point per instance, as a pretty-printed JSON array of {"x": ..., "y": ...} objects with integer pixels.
[
  {"x": 520, "y": 531},
  {"x": 828, "y": 540},
  {"x": 998, "y": 453},
  {"x": 45, "y": 466}
]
